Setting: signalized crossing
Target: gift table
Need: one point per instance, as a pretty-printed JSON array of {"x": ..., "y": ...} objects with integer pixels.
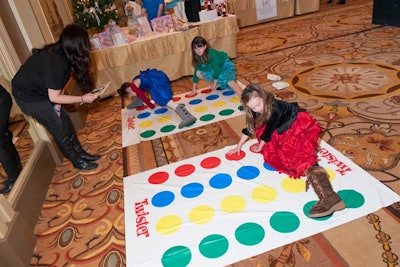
[{"x": 169, "y": 52}]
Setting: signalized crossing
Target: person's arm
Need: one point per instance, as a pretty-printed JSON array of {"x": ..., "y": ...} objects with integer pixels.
[
  {"x": 194, "y": 89},
  {"x": 57, "y": 97},
  {"x": 143, "y": 97},
  {"x": 144, "y": 12},
  {"x": 195, "y": 80},
  {"x": 214, "y": 85},
  {"x": 160, "y": 10}
]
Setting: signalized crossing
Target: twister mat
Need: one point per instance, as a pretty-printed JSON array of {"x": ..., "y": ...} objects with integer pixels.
[
  {"x": 209, "y": 211},
  {"x": 207, "y": 106}
]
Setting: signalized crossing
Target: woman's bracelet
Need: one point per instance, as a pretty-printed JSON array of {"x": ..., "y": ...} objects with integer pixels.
[{"x": 82, "y": 100}]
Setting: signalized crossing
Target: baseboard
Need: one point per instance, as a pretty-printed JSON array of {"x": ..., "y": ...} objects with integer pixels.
[
  {"x": 26, "y": 199},
  {"x": 16, "y": 248},
  {"x": 31, "y": 187}
]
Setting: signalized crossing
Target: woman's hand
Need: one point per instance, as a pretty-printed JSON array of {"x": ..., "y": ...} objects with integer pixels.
[
  {"x": 88, "y": 98},
  {"x": 57, "y": 109}
]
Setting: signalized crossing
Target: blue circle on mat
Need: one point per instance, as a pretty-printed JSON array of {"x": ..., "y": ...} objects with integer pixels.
[
  {"x": 248, "y": 172},
  {"x": 220, "y": 181},
  {"x": 268, "y": 167},
  {"x": 161, "y": 110},
  {"x": 195, "y": 101},
  {"x": 212, "y": 97},
  {"x": 228, "y": 92},
  {"x": 192, "y": 190},
  {"x": 162, "y": 199},
  {"x": 143, "y": 115}
]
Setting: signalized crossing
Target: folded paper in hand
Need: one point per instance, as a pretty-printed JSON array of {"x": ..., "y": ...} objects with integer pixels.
[{"x": 101, "y": 89}]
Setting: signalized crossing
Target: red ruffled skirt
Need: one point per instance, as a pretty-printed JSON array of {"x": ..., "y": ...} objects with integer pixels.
[{"x": 293, "y": 151}]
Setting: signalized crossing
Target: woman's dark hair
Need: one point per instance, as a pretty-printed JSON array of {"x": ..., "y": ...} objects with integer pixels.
[
  {"x": 199, "y": 41},
  {"x": 74, "y": 45},
  {"x": 122, "y": 90}
]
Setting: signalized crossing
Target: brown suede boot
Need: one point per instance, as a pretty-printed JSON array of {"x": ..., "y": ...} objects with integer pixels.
[{"x": 329, "y": 201}]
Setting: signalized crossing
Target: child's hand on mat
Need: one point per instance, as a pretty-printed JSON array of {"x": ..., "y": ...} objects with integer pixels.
[{"x": 234, "y": 150}]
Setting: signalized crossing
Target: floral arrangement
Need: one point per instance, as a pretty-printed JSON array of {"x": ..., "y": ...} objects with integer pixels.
[{"x": 94, "y": 13}]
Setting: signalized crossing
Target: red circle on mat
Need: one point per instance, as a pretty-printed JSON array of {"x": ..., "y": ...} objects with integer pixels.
[
  {"x": 142, "y": 107},
  {"x": 158, "y": 177},
  {"x": 176, "y": 98},
  {"x": 206, "y": 91},
  {"x": 210, "y": 162},
  {"x": 235, "y": 156},
  {"x": 184, "y": 170},
  {"x": 190, "y": 96}
]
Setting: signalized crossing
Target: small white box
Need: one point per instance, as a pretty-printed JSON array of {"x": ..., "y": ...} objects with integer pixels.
[{"x": 208, "y": 15}]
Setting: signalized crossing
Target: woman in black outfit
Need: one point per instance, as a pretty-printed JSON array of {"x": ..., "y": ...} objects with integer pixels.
[{"x": 38, "y": 90}]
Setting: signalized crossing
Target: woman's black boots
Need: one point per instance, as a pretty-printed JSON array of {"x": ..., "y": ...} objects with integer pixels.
[
  {"x": 82, "y": 153},
  {"x": 10, "y": 161},
  {"x": 67, "y": 148}
]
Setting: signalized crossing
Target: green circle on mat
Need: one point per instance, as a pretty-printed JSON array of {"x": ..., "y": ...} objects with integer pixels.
[
  {"x": 308, "y": 206},
  {"x": 351, "y": 198},
  {"x": 226, "y": 112},
  {"x": 167, "y": 128},
  {"x": 284, "y": 222},
  {"x": 178, "y": 256},
  {"x": 148, "y": 134},
  {"x": 207, "y": 117},
  {"x": 249, "y": 234},
  {"x": 213, "y": 246}
]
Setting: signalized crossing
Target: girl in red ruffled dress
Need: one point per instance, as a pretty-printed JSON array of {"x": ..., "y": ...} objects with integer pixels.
[{"x": 288, "y": 140}]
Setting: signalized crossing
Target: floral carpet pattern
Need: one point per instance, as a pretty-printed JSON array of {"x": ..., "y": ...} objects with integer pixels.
[{"x": 339, "y": 66}]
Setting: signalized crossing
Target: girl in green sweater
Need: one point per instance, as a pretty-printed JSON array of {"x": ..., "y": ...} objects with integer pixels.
[{"x": 213, "y": 66}]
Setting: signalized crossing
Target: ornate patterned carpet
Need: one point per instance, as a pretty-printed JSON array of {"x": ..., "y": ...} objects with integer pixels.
[{"x": 339, "y": 66}]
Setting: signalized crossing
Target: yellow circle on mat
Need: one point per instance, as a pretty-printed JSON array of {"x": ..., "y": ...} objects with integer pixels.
[
  {"x": 200, "y": 109},
  {"x": 264, "y": 194},
  {"x": 233, "y": 204},
  {"x": 235, "y": 99},
  {"x": 332, "y": 174},
  {"x": 293, "y": 185},
  {"x": 145, "y": 124},
  {"x": 168, "y": 224},
  {"x": 201, "y": 214},
  {"x": 164, "y": 119},
  {"x": 219, "y": 104}
]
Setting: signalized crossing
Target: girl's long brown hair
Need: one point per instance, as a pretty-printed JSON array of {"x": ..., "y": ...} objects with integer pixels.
[{"x": 254, "y": 119}]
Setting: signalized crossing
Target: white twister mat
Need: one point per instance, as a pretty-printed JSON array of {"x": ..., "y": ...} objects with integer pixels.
[
  {"x": 207, "y": 106},
  {"x": 209, "y": 211}
]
